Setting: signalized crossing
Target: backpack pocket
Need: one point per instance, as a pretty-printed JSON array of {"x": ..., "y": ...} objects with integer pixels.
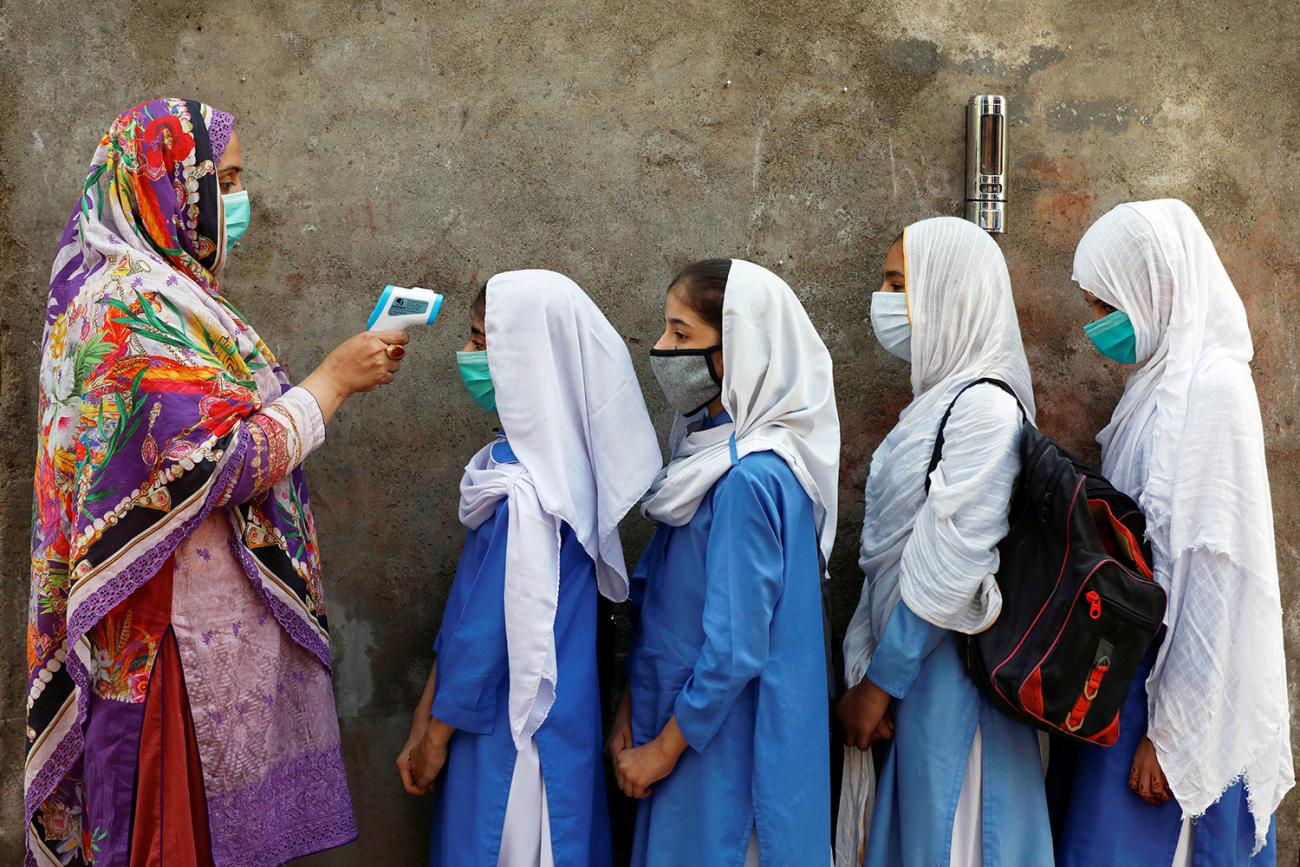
[
  {"x": 1117, "y": 539},
  {"x": 1079, "y": 683}
]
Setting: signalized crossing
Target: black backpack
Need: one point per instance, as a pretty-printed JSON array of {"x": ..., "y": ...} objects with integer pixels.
[{"x": 1079, "y": 606}]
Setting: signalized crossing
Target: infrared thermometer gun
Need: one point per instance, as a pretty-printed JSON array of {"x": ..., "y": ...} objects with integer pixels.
[{"x": 400, "y": 307}]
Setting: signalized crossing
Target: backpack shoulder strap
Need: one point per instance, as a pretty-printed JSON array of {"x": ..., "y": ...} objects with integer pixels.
[{"x": 937, "y": 454}]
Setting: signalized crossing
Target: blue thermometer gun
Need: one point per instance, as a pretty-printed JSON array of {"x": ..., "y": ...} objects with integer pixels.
[{"x": 400, "y": 307}]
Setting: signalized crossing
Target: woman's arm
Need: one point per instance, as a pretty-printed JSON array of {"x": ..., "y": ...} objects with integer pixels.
[
  {"x": 271, "y": 443},
  {"x": 361, "y": 363}
]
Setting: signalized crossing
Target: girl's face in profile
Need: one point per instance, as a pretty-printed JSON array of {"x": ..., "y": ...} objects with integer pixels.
[
  {"x": 684, "y": 328},
  {"x": 894, "y": 278},
  {"x": 1100, "y": 309},
  {"x": 477, "y": 334}
]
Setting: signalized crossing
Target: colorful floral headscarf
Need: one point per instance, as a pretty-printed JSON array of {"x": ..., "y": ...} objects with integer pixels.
[{"x": 147, "y": 374}]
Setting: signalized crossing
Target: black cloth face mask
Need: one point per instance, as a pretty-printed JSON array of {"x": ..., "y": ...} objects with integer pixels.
[{"x": 687, "y": 377}]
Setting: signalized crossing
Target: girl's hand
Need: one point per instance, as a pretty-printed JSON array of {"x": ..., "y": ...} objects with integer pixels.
[
  {"x": 1146, "y": 778},
  {"x": 620, "y": 730},
  {"x": 423, "y": 726},
  {"x": 360, "y": 363},
  {"x": 638, "y": 768},
  {"x": 429, "y": 756},
  {"x": 404, "y": 767},
  {"x": 864, "y": 714}
]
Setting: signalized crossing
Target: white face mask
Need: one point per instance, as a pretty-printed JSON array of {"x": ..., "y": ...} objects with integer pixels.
[{"x": 889, "y": 321}]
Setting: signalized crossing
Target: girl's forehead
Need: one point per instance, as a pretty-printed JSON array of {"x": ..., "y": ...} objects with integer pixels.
[{"x": 678, "y": 308}]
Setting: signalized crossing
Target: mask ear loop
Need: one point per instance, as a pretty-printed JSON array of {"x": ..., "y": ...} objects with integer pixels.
[
  {"x": 907, "y": 297},
  {"x": 220, "y": 264},
  {"x": 708, "y": 361}
]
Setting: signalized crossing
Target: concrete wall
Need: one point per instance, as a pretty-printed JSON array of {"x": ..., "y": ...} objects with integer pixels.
[{"x": 437, "y": 143}]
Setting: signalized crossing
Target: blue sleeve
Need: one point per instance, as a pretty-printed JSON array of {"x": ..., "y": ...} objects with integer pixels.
[
  {"x": 744, "y": 574},
  {"x": 654, "y": 552},
  {"x": 471, "y": 556},
  {"x": 907, "y": 641},
  {"x": 471, "y": 644}
]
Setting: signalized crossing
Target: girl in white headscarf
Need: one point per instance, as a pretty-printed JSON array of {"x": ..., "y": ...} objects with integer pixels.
[
  {"x": 723, "y": 731},
  {"x": 960, "y": 783},
  {"x": 1205, "y": 725},
  {"x": 512, "y": 707}
]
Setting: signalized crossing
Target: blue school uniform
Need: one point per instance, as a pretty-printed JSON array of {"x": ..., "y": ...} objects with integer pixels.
[
  {"x": 936, "y": 712},
  {"x": 731, "y": 642},
  {"x": 1101, "y": 822},
  {"x": 472, "y": 695}
]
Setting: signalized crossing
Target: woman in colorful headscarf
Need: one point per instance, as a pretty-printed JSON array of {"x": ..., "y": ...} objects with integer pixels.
[
  {"x": 179, "y": 702},
  {"x": 1206, "y": 731},
  {"x": 961, "y": 783}
]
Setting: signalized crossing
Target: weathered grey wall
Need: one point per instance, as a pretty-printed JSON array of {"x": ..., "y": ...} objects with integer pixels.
[{"x": 436, "y": 143}]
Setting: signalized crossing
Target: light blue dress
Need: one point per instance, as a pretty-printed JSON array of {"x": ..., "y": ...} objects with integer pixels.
[
  {"x": 472, "y": 695},
  {"x": 936, "y": 712},
  {"x": 731, "y": 641},
  {"x": 1102, "y": 823}
]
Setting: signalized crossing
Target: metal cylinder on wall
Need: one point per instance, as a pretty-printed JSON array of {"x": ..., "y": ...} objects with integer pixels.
[{"x": 986, "y": 162}]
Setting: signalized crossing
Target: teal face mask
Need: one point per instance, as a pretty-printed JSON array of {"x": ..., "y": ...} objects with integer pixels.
[
  {"x": 237, "y": 216},
  {"x": 478, "y": 381},
  {"x": 1114, "y": 337}
]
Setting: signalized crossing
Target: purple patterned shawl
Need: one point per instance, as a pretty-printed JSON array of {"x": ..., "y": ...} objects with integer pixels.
[{"x": 147, "y": 373}]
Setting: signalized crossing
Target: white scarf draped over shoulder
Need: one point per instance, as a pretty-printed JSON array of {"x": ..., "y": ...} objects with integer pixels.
[
  {"x": 778, "y": 389},
  {"x": 941, "y": 560},
  {"x": 569, "y": 401},
  {"x": 1186, "y": 440}
]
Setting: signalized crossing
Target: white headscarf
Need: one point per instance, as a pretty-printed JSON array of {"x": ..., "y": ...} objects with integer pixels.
[
  {"x": 964, "y": 328},
  {"x": 778, "y": 389},
  {"x": 1186, "y": 441},
  {"x": 569, "y": 401}
]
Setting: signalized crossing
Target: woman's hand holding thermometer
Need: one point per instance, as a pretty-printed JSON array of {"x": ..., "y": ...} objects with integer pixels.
[
  {"x": 360, "y": 363},
  {"x": 373, "y": 357}
]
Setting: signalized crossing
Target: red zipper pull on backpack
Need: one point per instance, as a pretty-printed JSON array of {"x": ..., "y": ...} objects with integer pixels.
[{"x": 1094, "y": 605}]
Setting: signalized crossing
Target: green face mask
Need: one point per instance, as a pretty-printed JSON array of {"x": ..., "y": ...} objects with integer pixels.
[
  {"x": 237, "y": 216},
  {"x": 478, "y": 381},
  {"x": 1114, "y": 337}
]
